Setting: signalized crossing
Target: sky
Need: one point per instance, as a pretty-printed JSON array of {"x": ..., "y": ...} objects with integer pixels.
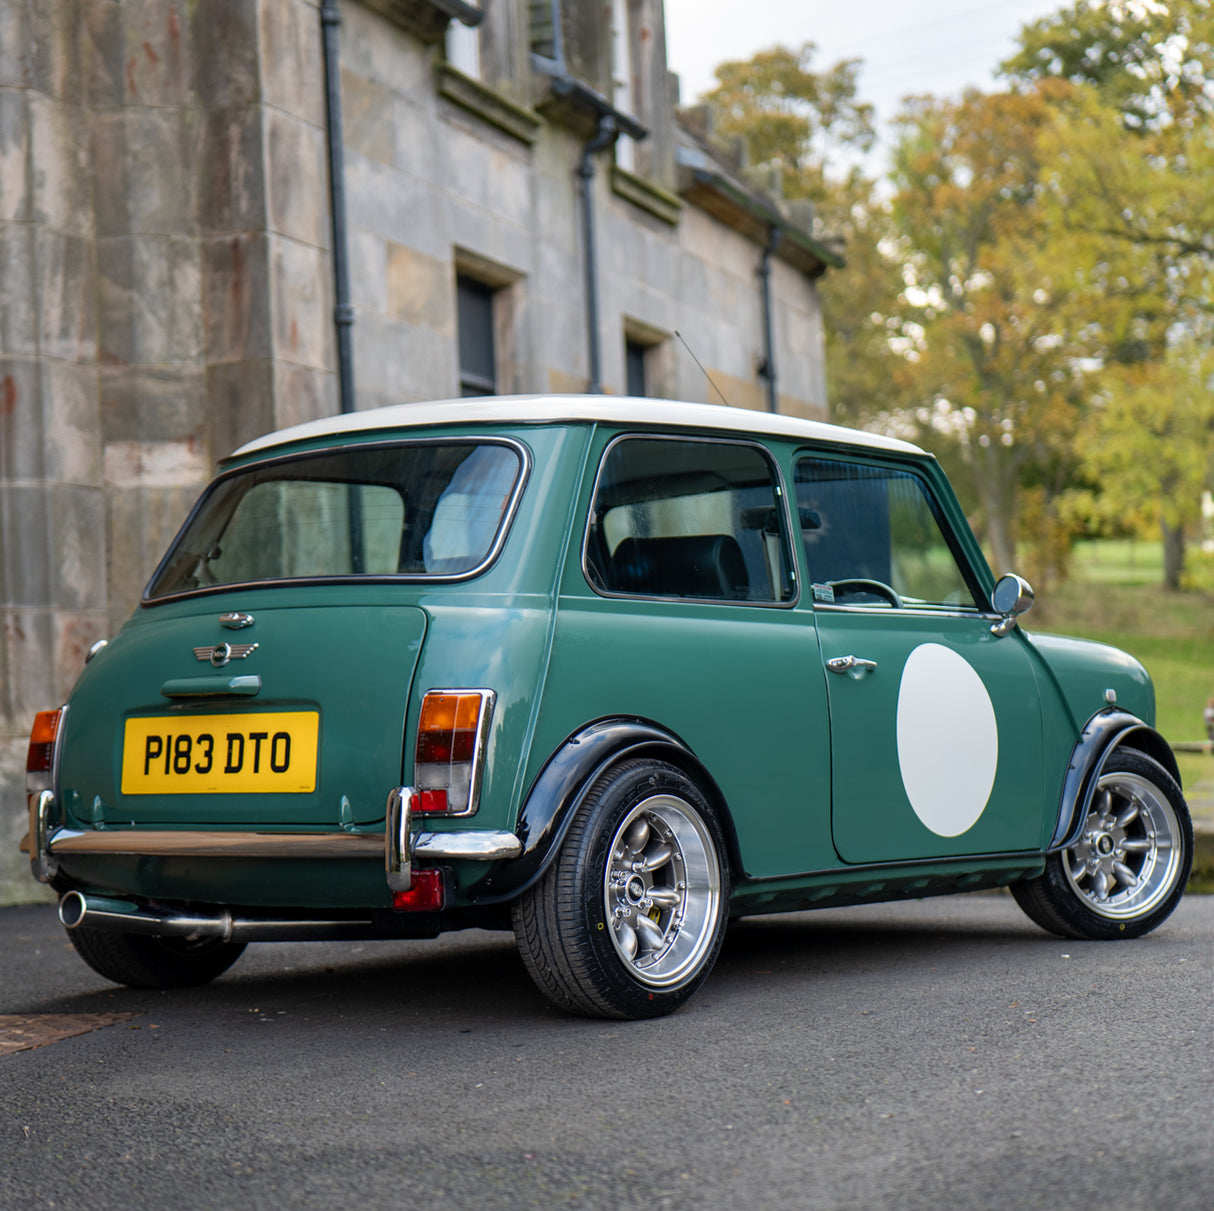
[{"x": 908, "y": 46}]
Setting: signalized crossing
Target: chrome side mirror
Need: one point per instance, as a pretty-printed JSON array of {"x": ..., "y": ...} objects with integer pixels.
[{"x": 1012, "y": 597}]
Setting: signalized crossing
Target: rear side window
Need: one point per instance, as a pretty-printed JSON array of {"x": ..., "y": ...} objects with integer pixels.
[
  {"x": 422, "y": 509},
  {"x": 690, "y": 519}
]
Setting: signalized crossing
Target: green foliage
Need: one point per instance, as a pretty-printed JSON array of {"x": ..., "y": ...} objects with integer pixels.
[
  {"x": 868, "y": 376},
  {"x": 1150, "y": 61},
  {"x": 1131, "y": 161},
  {"x": 998, "y": 332},
  {"x": 807, "y": 123},
  {"x": 790, "y": 115},
  {"x": 1034, "y": 299},
  {"x": 1149, "y": 438}
]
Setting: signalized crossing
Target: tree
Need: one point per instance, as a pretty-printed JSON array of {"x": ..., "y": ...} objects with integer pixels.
[
  {"x": 1148, "y": 441},
  {"x": 1151, "y": 61},
  {"x": 792, "y": 117},
  {"x": 812, "y": 128},
  {"x": 1132, "y": 161},
  {"x": 998, "y": 335}
]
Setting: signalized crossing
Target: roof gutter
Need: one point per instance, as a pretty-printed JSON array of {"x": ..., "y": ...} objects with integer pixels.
[{"x": 795, "y": 245}]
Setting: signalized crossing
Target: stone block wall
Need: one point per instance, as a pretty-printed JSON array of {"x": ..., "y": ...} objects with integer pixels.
[
  {"x": 166, "y": 273},
  {"x": 164, "y": 296},
  {"x": 52, "y": 501}
]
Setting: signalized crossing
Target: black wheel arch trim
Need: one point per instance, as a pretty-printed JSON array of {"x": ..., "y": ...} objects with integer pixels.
[
  {"x": 1102, "y": 735},
  {"x": 566, "y": 779}
]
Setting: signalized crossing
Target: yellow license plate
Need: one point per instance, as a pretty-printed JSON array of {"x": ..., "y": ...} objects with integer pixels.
[{"x": 221, "y": 754}]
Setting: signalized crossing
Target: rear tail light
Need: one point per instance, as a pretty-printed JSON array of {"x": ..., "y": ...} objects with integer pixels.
[
  {"x": 40, "y": 758},
  {"x": 449, "y": 758}
]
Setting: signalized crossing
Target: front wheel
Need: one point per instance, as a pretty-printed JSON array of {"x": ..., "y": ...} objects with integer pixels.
[
  {"x": 628, "y": 920},
  {"x": 1128, "y": 870}
]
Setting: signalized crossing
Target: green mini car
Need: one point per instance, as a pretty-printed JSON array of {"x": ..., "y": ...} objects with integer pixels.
[{"x": 605, "y": 672}]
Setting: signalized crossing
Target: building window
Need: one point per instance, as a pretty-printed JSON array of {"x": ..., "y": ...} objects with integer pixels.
[
  {"x": 648, "y": 364},
  {"x": 622, "y": 79},
  {"x": 464, "y": 48},
  {"x": 544, "y": 18},
  {"x": 477, "y": 349}
]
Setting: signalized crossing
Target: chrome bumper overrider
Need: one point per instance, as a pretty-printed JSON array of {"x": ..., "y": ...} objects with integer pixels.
[{"x": 399, "y": 844}]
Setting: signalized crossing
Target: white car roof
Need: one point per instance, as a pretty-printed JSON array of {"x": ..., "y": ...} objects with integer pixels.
[{"x": 550, "y": 409}]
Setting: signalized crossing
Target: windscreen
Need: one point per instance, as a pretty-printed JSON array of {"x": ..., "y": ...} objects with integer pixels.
[{"x": 419, "y": 510}]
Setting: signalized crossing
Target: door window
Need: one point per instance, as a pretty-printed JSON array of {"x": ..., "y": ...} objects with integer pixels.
[{"x": 873, "y": 536}]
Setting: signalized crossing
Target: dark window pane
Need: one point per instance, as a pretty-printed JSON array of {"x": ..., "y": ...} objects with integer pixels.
[
  {"x": 634, "y": 368},
  {"x": 477, "y": 357}
]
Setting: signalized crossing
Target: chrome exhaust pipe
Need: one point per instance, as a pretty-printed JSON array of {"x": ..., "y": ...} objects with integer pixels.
[{"x": 78, "y": 911}]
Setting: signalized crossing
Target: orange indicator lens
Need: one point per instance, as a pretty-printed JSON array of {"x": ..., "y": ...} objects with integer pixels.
[
  {"x": 41, "y": 756},
  {"x": 447, "y": 732}
]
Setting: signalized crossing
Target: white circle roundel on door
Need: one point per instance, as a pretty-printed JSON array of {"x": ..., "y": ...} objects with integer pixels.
[{"x": 948, "y": 741}]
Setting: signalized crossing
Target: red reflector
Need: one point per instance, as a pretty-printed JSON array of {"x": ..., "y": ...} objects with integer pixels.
[
  {"x": 428, "y": 893},
  {"x": 41, "y": 755},
  {"x": 432, "y": 801}
]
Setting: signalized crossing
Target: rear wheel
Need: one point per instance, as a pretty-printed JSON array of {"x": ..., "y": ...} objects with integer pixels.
[
  {"x": 146, "y": 961},
  {"x": 628, "y": 920},
  {"x": 1128, "y": 870}
]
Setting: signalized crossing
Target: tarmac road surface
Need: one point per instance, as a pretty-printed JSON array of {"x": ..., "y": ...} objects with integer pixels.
[{"x": 940, "y": 1054}]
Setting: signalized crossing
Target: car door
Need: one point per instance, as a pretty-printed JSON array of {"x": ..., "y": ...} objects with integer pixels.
[
  {"x": 935, "y": 721},
  {"x": 681, "y": 609}
]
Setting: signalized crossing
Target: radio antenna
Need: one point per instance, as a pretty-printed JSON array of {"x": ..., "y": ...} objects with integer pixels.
[{"x": 702, "y": 370}]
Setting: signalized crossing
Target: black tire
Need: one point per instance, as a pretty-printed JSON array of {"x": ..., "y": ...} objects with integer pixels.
[
  {"x": 628, "y": 920},
  {"x": 145, "y": 961},
  {"x": 1129, "y": 868}
]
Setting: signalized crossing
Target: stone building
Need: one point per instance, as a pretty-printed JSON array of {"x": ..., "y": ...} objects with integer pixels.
[{"x": 520, "y": 208}]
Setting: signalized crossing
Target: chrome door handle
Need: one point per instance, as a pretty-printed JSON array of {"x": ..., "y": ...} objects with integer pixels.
[{"x": 854, "y": 666}]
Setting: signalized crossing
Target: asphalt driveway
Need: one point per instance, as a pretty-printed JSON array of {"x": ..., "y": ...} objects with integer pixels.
[{"x": 943, "y": 1053}]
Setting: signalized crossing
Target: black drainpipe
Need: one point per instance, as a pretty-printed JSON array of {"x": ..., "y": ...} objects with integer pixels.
[
  {"x": 343, "y": 312},
  {"x": 603, "y": 138},
  {"x": 610, "y": 124},
  {"x": 768, "y": 369}
]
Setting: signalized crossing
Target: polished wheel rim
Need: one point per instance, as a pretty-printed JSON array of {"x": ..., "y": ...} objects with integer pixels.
[
  {"x": 1126, "y": 860},
  {"x": 662, "y": 890}
]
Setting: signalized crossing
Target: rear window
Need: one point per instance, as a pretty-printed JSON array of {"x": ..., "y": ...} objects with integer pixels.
[{"x": 422, "y": 509}]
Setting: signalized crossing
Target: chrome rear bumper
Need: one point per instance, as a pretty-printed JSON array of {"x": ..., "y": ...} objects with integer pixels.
[{"x": 398, "y": 845}]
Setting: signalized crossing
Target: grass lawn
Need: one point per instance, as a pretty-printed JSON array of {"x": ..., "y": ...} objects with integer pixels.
[{"x": 1171, "y": 633}]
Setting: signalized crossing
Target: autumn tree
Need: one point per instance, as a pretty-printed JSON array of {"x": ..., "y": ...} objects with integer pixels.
[
  {"x": 793, "y": 118},
  {"x": 1129, "y": 193},
  {"x": 810, "y": 126},
  {"x": 997, "y": 335},
  {"x": 1148, "y": 440}
]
